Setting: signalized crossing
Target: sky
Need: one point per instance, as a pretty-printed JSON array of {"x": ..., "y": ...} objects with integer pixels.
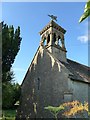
[{"x": 33, "y": 16}]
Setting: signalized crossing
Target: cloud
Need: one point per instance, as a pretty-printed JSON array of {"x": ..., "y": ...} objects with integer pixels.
[
  {"x": 19, "y": 69},
  {"x": 83, "y": 38}
]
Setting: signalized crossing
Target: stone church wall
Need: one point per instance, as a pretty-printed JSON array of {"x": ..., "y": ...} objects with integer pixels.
[
  {"x": 44, "y": 85},
  {"x": 79, "y": 90}
]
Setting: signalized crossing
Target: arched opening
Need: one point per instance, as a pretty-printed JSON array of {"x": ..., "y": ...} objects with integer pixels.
[
  {"x": 54, "y": 37},
  {"x": 44, "y": 42},
  {"x": 48, "y": 39},
  {"x": 60, "y": 42}
]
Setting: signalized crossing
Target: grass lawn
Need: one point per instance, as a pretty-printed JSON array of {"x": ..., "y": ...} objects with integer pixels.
[{"x": 9, "y": 114}]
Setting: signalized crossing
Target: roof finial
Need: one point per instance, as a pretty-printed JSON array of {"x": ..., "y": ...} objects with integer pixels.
[{"x": 53, "y": 17}]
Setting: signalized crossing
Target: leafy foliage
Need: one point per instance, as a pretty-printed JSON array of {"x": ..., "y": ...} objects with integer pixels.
[
  {"x": 8, "y": 115},
  {"x": 86, "y": 11},
  {"x": 10, "y": 46},
  {"x": 74, "y": 107},
  {"x": 11, "y": 93},
  {"x": 11, "y": 41},
  {"x": 69, "y": 109},
  {"x": 55, "y": 110}
]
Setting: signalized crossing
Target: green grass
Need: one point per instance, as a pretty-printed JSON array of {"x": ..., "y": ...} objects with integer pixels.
[{"x": 9, "y": 114}]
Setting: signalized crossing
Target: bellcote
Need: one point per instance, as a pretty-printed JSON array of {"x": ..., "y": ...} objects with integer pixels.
[{"x": 52, "y": 37}]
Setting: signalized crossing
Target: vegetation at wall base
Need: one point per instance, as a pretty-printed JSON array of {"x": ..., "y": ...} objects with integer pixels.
[
  {"x": 55, "y": 110},
  {"x": 8, "y": 114},
  {"x": 70, "y": 109},
  {"x": 11, "y": 94}
]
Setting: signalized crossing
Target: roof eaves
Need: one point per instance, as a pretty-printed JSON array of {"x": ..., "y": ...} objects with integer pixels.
[{"x": 78, "y": 80}]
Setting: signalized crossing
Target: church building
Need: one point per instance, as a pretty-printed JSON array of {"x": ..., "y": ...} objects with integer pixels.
[{"x": 52, "y": 78}]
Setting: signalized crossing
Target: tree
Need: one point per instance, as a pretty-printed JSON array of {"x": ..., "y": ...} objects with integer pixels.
[
  {"x": 11, "y": 41},
  {"x": 10, "y": 46},
  {"x": 86, "y": 13},
  {"x": 11, "y": 94}
]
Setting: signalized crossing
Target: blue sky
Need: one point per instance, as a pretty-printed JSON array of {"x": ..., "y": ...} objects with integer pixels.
[{"x": 32, "y": 17}]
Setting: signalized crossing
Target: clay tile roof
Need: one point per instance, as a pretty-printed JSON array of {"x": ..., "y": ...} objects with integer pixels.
[
  {"x": 54, "y": 25},
  {"x": 78, "y": 71}
]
